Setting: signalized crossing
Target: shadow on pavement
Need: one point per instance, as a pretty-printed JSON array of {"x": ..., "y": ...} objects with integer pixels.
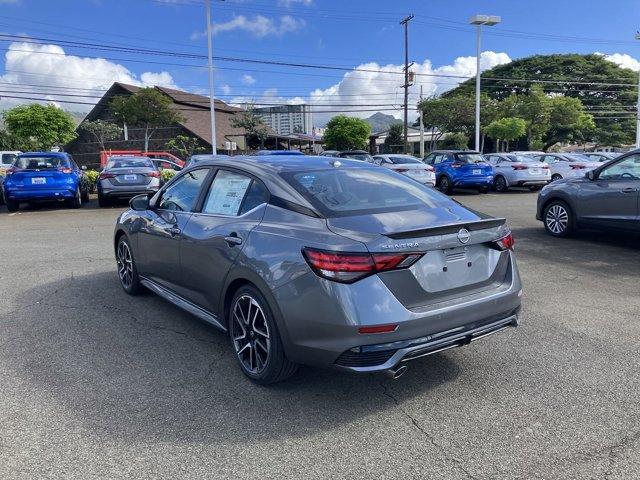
[{"x": 137, "y": 368}]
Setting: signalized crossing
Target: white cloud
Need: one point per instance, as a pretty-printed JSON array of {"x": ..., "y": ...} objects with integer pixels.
[
  {"x": 269, "y": 96},
  {"x": 623, "y": 60},
  {"x": 225, "y": 89},
  {"x": 49, "y": 65},
  {"x": 259, "y": 26},
  {"x": 378, "y": 87},
  {"x": 247, "y": 80}
]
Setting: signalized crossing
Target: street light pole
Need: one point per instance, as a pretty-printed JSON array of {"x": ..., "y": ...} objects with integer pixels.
[
  {"x": 214, "y": 146},
  {"x": 479, "y": 21},
  {"x": 405, "y": 21}
]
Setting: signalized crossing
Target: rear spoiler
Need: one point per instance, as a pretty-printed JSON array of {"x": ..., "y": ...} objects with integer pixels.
[{"x": 447, "y": 229}]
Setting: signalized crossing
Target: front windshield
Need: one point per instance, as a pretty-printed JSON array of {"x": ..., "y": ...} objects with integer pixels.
[
  {"x": 41, "y": 163},
  {"x": 470, "y": 158},
  {"x": 129, "y": 163}
]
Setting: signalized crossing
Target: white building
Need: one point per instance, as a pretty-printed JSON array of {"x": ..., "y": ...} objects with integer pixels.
[{"x": 287, "y": 119}]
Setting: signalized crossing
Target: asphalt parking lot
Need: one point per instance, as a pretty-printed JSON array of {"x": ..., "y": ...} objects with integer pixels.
[{"x": 97, "y": 384}]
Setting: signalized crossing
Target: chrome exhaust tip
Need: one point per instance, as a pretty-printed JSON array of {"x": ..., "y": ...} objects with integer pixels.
[{"x": 396, "y": 372}]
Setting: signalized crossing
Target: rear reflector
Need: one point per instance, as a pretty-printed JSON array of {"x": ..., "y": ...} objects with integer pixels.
[
  {"x": 348, "y": 267},
  {"x": 378, "y": 329},
  {"x": 505, "y": 243}
]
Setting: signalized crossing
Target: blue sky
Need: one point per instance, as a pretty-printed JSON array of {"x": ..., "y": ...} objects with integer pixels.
[{"x": 339, "y": 33}]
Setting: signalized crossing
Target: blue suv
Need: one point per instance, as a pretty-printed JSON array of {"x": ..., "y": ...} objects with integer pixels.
[
  {"x": 45, "y": 176},
  {"x": 460, "y": 168}
]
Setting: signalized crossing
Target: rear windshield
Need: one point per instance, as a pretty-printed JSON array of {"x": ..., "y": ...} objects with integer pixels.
[
  {"x": 403, "y": 159},
  {"x": 129, "y": 163},
  {"x": 521, "y": 158},
  {"x": 470, "y": 158},
  {"x": 41, "y": 163},
  {"x": 358, "y": 191},
  {"x": 363, "y": 157}
]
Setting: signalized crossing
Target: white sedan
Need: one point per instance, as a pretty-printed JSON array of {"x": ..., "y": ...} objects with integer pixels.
[
  {"x": 511, "y": 170},
  {"x": 567, "y": 165},
  {"x": 409, "y": 166}
]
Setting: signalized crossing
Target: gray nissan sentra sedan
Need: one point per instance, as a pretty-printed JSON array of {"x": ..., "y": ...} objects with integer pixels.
[{"x": 320, "y": 261}]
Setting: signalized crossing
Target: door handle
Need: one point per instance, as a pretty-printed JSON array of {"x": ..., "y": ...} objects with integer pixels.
[
  {"x": 174, "y": 231},
  {"x": 629, "y": 190},
  {"x": 233, "y": 239}
]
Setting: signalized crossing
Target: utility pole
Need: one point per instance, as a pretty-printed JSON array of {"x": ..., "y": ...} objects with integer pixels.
[
  {"x": 421, "y": 128},
  {"x": 214, "y": 147},
  {"x": 405, "y": 22}
]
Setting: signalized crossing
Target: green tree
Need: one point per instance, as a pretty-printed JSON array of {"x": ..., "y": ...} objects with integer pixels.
[
  {"x": 567, "y": 121},
  {"x": 9, "y": 142},
  {"x": 100, "y": 130},
  {"x": 394, "y": 141},
  {"x": 565, "y": 69},
  {"x": 506, "y": 129},
  {"x": 185, "y": 146},
  {"x": 534, "y": 107},
  {"x": 455, "y": 141},
  {"x": 346, "y": 133},
  {"x": 252, "y": 124},
  {"x": 39, "y": 127},
  {"x": 148, "y": 108}
]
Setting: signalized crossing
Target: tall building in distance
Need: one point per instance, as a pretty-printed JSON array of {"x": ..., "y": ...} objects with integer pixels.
[{"x": 287, "y": 119}]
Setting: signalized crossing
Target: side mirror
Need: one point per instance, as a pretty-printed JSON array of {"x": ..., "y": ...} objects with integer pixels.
[
  {"x": 139, "y": 203},
  {"x": 591, "y": 175}
]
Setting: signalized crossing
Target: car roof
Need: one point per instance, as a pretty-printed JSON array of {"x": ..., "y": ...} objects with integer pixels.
[
  {"x": 124, "y": 157},
  {"x": 455, "y": 151},
  {"x": 353, "y": 151},
  {"x": 44, "y": 154},
  {"x": 278, "y": 152}
]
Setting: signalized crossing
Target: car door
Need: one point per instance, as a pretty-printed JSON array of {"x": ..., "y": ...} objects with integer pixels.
[
  {"x": 234, "y": 204},
  {"x": 612, "y": 198},
  {"x": 160, "y": 232}
]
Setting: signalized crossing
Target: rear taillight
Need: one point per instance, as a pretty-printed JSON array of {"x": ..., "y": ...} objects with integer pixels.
[
  {"x": 456, "y": 165},
  {"x": 505, "y": 243},
  {"x": 12, "y": 170},
  {"x": 401, "y": 170},
  {"x": 347, "y": 267},
  {"x": 104, "y": 175},
  {"x": 65, "y": 170},
  {"x": 519, "y": 167},
  {"x": 430, "y": 168},
  {"x": 154, "y": 174},
  {"x": 578, "y": 167}
]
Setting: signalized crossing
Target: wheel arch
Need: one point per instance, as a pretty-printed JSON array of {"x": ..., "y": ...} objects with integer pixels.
[{"x": 563, "y": 199}]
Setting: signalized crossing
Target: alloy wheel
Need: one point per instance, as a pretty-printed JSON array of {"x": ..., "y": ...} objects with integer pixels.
[
  {"x": 125, "y": 265},
  {"x": 557, "y": 219},
  {"x": 500, "y": 184},
  {"x": 250, "y": 334}
]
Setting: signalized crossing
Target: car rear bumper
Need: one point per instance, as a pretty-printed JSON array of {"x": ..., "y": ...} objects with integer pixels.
[
  {"x": 44, "y": 194},
  {"x": 474, "y": 181},
  {"x": 129, "y": 191},
  {"x": 320, "y": 321},
  {"x": 532, "y": 182}
]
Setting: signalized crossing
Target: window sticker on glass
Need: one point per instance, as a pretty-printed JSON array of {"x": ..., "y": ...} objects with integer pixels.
[
  {"x": 307, "y": 180},
  {"x": 226, "y": 194}
]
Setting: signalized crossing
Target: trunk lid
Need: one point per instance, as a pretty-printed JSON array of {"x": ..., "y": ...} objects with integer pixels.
[
  {"x": 459, "y": 258},
  {"x": 39, "y": 178},
  {"x": 130, "y": 175}
]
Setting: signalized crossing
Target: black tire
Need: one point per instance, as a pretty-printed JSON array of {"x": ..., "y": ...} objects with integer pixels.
[
  {"x": 558, "y": 219},
  {"x": 127, "y": 270},
  {"x": 444, "y": 185},
  {"x": 13, "y": 206},
  {"x": 535, "y": 188},
  {"x": 103, "y": 201},
  {"x": 555, "y": 177},
  {"x": 248, "y": 340},
  {"x": 76, "y": 202},
  {"x": 483, "y": 190},
  {"x": 85, "y": 195},
  {"x": 500, "y": 184}
]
